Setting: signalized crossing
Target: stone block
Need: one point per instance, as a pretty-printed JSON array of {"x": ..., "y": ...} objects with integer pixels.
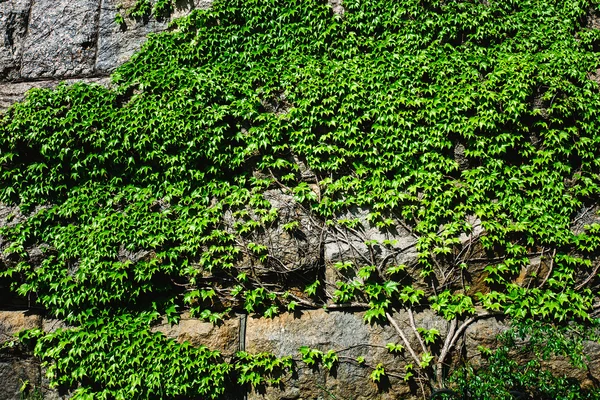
[
  {"x": 224, "y": 338},
  {"x": 11, "y": 322},
  {"x": 61, "y": 39},
  {"x": 348, "y": 335},
  {"x": 116, "y": 44},
  {"x": 13, "y": 373},
  {"x": 14, "y": 15}
]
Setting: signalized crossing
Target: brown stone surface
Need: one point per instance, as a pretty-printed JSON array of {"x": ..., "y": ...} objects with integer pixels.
[
  {"x": 11, "y": 322},
  {"x": 15, "y": 368},
  {"x": 197, "y": 332}
]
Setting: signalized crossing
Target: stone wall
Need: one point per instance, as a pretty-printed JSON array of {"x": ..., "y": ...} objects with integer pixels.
[{"x": 43, "y": 42}]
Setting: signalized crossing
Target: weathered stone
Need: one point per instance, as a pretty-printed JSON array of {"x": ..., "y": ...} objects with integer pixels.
[
  {"x": 51, "y": 393},
  {"x": 50, "y": 325},
  {"x": 116, "y": 44},
  {"x": 14, "y": 15},
  {"x": 184, "y": 7},
  {"x": 61, "y": 39},
  {"x": 13, "y": 373},
  {"x": 586, "y": 216},
  {"x": 350, "y": 244},
  {"x": 291, "y": 252},
  {"x": 296, "y": 249},
  {"x": 11, "y": 322},
  {"x": 16, "y": 368},
  {"x": 394, "y": 246},
  {"x": 482, "y": 332},
  {"x": 350, "y": 337},
  {"x": 11, "y": 93},
  {"x": 224, "y": 338}
]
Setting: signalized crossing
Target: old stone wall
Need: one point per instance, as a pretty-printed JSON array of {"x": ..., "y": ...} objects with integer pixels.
[{"x": 44, "y": 42}]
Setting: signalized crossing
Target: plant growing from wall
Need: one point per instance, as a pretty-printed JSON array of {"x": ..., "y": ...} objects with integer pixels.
[{"x": 470, "y": 126}]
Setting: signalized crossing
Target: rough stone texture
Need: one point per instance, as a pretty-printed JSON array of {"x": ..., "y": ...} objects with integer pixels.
[
  {"x": 350, "y": 337},
  {"x": 294, "y": 250},
  {"x": 184, "y": 7},
  {"x": 337, "y": 6},
  {"x": 45, "y": 41},
  {"x": 224, "y": 337},
  {"x": 116, "y": 44},
  {"x": 14, "y": 15},
  {"x": 480, "y": 333},
  {"x": 12, "y": 322},
  {"x": 52, "y": 325},
  {"x": 16, "y": 368},
  {"x": 586, "y": 216},
  {"x": 61, "y": 39},
  {"x": 12, "y": 375},
  {"x": 349, "y": 244}
]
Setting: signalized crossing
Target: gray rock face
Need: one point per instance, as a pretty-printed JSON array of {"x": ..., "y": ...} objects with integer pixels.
[
  {"x": 343, "y": 332},
  {"x": 116, "y": 44},
  {"x": 43, "y": 42},
  {"x": 298, "y": 249},
  {"x": 61, "y": 39},
  {"x": 348, "y": 335},
  {"x": 14, "y": 15},
  {"x": 12, "y": 375},
  {"x": 351, "y": 244}
]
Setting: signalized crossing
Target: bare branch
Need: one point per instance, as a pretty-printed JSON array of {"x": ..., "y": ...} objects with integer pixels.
[
  {"x": 549, "y": 270},
  {"x": 444, "y": 352},
  {"x": 403, "y": 337},
  {"x": 411, "y": 318},
  {"x": 589, "y": 278}
]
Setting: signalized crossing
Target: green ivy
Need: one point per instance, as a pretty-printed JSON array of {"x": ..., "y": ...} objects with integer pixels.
[
  {"x": 120, "y": 357},
  {"x": 149, "y": 196},
  {"x": 535, "y": 342}
]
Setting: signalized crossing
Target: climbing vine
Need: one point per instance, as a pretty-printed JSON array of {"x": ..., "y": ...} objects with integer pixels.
[{"x": 464, "y": 133}]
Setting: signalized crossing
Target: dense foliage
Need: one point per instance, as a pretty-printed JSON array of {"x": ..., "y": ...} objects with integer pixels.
[
  {"x": 434, "y": 117},
  {"x": 518, "y": 363}
]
